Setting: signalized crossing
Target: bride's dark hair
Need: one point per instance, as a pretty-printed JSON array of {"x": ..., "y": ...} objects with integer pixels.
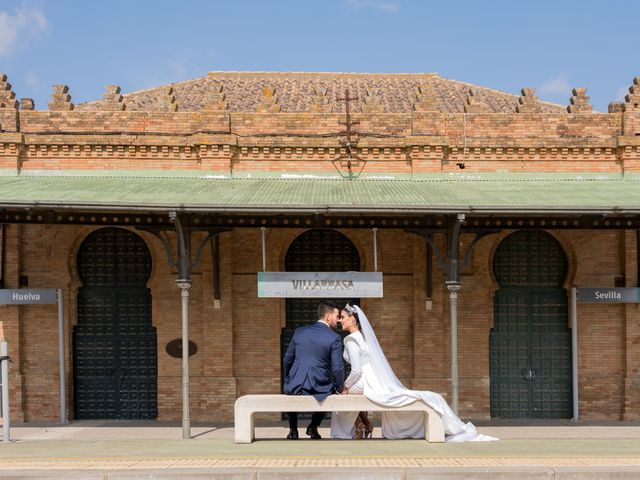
[{"x": 353, "y": 312}]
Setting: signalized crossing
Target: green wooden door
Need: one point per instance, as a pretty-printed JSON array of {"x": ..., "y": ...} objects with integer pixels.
[
  {"x": 530, "y": 343},
  {"x": 114, "y": 342}
]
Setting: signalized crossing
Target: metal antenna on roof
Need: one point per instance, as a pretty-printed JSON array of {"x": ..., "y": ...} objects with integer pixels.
[{"x": 348, "y": 138}]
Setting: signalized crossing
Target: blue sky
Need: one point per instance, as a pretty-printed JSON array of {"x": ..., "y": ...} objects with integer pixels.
[{"x": 507, "y": 45}]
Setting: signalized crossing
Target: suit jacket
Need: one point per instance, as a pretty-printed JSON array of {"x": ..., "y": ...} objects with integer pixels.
[{"x": 313, "y": 362}]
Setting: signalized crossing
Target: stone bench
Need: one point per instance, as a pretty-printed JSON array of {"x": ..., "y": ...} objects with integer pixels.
[{"x": 247, "y": 406}]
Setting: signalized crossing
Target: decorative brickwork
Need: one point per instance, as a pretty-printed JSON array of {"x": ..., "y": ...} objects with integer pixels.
[
  {"x": 615, "y": 107},
  {"x": 320, "y": 101},
  {"x": 113, "y": 99},
  {"x": 7, "y": 97},
  {"x": 475, "y": 104},
  {"x": 426, "y": 99},
  {"x": 579, "y": 101},
  {"x": 167, "y": 101},
  {"x": 216, "y": 99},
  {"x": 632, "y": 99},
  {"x": 631, "y": 107},
  {"x": 372, "y": 102},
  {"x": 27, "y": 104},
  {"x": 60, "y": 99},
  {"x": 528, "y": 102},
  {"x": 8, "y": 106},
  {"x": 269, "y": 101}
]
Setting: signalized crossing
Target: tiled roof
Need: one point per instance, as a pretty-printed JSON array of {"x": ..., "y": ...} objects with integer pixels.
[{"x": 396, "y": 93}]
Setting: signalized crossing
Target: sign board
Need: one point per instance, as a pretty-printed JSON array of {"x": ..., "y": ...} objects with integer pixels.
[
  {"x": 608, "y": 295},
  {"x": 320, "y": 284},
  {"x": 28, "y": 296}
]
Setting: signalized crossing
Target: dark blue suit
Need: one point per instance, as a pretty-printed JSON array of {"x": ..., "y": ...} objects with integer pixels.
[{"x": 313, "y": 365}]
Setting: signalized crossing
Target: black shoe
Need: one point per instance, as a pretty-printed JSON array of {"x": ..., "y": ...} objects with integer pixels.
[
  {"x": 313, "y": 433},
  {"x": 293, "y": 434}
]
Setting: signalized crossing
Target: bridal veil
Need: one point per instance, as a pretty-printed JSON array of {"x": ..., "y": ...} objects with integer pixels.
[{"x": 386, "y": 389}]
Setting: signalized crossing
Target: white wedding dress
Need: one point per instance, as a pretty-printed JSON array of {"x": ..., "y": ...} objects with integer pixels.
[{"x": 372, "y": 376}]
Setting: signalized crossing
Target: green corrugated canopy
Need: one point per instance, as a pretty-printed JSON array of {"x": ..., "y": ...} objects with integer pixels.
[{"x": 255, "y": 192}]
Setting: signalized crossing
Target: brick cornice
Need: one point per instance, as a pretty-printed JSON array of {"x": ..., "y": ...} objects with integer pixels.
[
  {"x": 410, "y": 142},
  {"x": 201, "y": 148},
  {"x": 627, "y": 140},
  {"x": 194, "y": 150},
  {"x": 11, "y": 137}
]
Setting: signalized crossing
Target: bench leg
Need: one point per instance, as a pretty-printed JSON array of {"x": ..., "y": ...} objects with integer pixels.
[
  {"x": 433, "y": 428},
  {"x": 244, "y": 428}
]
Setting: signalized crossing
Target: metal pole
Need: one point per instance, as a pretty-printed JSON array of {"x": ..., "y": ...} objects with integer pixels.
[
  {"x": 453, "y": 301},
  {"x": 184, "y": 284},
  {"x": 186, "y": 420},
  {"x": 375, "y": 249},
  {"x": 4, "y": 378},
  {"x": 264, "y": 248},
  {"x": 63, "y": 384},
  {"x": 453, "y": 285},
  {"x": 574, "y": 353}
]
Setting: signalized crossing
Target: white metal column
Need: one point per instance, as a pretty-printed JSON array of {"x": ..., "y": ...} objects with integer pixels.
[
  {"x": 4, "y": 378},
  {"x": 453, "y": 304},
  {"x": 61, "y": 347},
  {"x": 574, "y": 353},
  {"x": 186, "y": 419}
]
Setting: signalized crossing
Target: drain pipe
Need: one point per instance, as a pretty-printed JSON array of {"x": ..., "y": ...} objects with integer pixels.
[
  {"x": 375, "y": 249},
  {"x": 263, "y": 231}
]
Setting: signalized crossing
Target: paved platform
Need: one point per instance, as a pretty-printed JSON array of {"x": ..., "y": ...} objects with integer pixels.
[{"x": 128, "y": 450}]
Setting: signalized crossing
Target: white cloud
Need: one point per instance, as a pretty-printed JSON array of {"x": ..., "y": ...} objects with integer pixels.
[
  {"x": 23, "y": 22},
  {"x": 556, "y": 86},
  {"x": 382, "y": 5}
]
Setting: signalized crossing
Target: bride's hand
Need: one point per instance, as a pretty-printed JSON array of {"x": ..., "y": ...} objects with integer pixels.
[{"x": 345, "y": 391}]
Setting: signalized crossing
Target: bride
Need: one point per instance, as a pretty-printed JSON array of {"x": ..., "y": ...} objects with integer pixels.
[{"x": 372, "y": 376}]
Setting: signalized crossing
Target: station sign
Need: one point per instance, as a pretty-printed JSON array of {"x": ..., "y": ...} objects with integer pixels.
[
  {"x": 608, "y": 295},
  {"x": 320, "y": 284},
  {"x": 28, "y": 296}
]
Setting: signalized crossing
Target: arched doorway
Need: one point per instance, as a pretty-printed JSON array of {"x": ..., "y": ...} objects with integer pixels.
[
  {"x": 317, "y": 250},
  {"x": 114, "y": 342},
  {"x": 530, "y": 342}
]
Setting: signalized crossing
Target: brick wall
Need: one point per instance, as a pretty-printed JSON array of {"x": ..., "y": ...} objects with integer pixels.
[
  {"x": 303, "y": 142},
  {"x": 238, "y": 344}
]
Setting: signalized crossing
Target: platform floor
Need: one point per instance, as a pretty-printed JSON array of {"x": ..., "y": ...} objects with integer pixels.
[{"x": 134, "y": 449}]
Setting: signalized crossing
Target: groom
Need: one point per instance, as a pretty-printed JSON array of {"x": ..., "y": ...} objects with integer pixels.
[{"x": 313, "y": 365}]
